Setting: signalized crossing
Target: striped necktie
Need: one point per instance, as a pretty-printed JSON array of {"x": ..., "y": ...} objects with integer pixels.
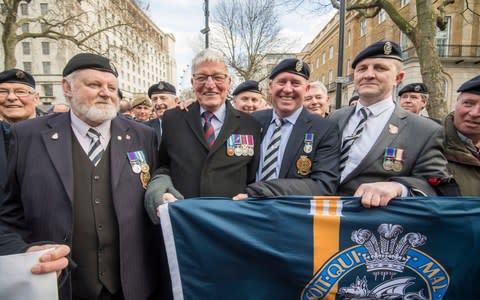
[
  {"x": 349, "y": 140},
  {"x": 208, "y": 130},
  {"x": 270, "y": 160},
  {"x": 96, "y": 150}
]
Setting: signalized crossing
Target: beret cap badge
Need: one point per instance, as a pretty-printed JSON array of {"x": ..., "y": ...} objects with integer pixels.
[
  {"x": 417, "y": 88},
  {"x": 20, "y": 74},
  {"x": 160, "y": 86},
  {"x": 299, "y": 66},
  {"x": 387, "y": 48}
]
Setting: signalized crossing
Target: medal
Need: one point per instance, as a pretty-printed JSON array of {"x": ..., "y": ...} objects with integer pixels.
[
  {"x": 304, "y": 165},
  {"x": 144, "y": 167},
  {"x": 238, "y": 145},
  {"x": 230, "y": 152},
  {"x": 244, "y": 145},
  {"x": 250, "y": 145},
  {"x": 145, "y": 179},
  {"x": 388, "y": 165},
  {"x": 398, "y": 165},
  {"x": 308, "y": 142},
  {"x": 231, "y": 145},
  {"x": 388, "y": 158},
  {"x": 136, "y": 168}
]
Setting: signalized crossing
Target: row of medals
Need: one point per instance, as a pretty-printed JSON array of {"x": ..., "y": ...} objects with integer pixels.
[
  {"x": 391, "y": 164},
  {"x": 144, "y": 170},
  {"x": 240, "y": 150}
]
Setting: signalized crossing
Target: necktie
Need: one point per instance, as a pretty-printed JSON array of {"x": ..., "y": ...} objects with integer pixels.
[
  {"x": 96, "y": 150},
  {"x": 271, "y": 156},
  {"x": 208, "y": 130},
  {"x": 349, "y": 140}
]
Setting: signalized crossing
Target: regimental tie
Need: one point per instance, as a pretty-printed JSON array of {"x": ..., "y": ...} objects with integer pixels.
[
  {"x": 96, "y": 150},
  {"x": 270, "y": 160},
  {"x": 208, "y": 130},
  {"x": 349, "y": 140}
]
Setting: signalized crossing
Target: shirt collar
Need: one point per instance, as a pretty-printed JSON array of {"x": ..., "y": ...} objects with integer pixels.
[
  {"x": 292, "y": 119},
  {"x": 376, "y": 108},
  {"x": 219, "y": 113},
  {"x": 468, "y": 142}
]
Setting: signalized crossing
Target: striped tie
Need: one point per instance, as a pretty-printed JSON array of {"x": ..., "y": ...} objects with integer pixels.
[
  {"x": 96, "y": 150},
  {"x": 349, "y": 140},
  {"x": 271, "y": 157},
  {"x": 208, "y": 130}
]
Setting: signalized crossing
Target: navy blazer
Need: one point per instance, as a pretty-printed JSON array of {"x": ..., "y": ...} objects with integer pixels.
[
  {"x": 38, "y": 205},
  {"x": 323, "y": 177},
  {"x": 156, "y": 124}
]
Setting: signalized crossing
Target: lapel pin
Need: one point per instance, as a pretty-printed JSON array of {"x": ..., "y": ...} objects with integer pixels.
[
  {"x": 119, "y": 138},
  {"x": 55, "y": 136},
  {"x": 392, "y": 129},
  {"x": 127, "y": 137}
]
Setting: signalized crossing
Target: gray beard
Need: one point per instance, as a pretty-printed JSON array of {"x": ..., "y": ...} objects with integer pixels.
[{"x": 95, "y": 114}]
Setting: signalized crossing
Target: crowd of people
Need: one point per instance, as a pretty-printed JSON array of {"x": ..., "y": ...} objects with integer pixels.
[{"x": 88, "y": 181}]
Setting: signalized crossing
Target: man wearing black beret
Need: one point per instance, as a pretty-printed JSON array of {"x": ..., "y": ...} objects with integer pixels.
[
  {"x": 386, "y": 152},
  {"x": 462, "y": 138},
  {"x": 18, "y": 100},
  {"x": 414, "y": 97},
  {"x": 77, "y": 180},
  {"x": 299, "y": 150},
  {"x": 247, "y": 97},
  {"x": 164, "y": 97}
]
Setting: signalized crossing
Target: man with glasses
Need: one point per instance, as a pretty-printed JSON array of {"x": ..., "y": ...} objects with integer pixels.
[
  {"x": 18, "y": 100},
  {"x": 210, "y": 150}
]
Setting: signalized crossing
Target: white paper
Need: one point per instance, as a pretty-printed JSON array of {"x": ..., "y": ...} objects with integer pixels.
[{"x": 18, "y": 283}]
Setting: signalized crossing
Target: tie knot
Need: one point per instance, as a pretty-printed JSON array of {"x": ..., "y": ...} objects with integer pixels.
[
  {"x": 207, "y": 115},
  {"x": 93, "y": 134},
  {"x": 279, "y": 122},
  {"x": 364, "y": 112}
]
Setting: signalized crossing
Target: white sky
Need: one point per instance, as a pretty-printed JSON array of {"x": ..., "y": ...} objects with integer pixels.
[{"x": 185, "y": 18}]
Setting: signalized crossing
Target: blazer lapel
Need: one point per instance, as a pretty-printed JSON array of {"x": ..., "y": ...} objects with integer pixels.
[
  {"x": 295, "y": 142},
  {"x": 229, "y": 125},
  {"x": 193, "y": 119},
  {"x": 120, "y": 142},
  {"x": 386, "y": 138},
  {"x": 343, "y": 119},
  {"x": 58, "y": 142}
]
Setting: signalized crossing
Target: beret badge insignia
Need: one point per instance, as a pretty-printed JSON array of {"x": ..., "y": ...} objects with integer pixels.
[
  {"x": 20, "y": 74},
  {"x": 299, "y": 66},
  {"x": 387, "y": 48}
]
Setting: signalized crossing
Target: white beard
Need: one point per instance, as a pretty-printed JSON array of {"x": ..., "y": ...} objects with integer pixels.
[{"x": 93, "y": 113}]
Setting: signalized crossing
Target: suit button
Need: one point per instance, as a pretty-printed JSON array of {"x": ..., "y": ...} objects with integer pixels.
[
  {"x": 96, "y": 177},
  {"x": 100, "y": 227}
]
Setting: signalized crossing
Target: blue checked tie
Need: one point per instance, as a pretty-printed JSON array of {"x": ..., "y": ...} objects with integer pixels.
[
  {"x": 96, "y": 150},
  {"x": 208, "y": 130},
  {"x": 349, "y": 140},
  {"x": 270, "y": 160}
]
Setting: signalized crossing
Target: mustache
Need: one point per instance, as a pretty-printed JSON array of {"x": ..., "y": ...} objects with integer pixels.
[{"x": 160, "y": 106}]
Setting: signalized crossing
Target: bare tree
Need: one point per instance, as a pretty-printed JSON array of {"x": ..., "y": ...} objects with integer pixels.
[
  {"x": 67, "y": 20},
  {"x": 421, "y": 31},
  {"x": 246, "y": 31}
]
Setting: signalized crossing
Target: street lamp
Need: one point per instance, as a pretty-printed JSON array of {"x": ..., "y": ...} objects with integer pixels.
[
  {"x": 341, "y": 39},
  {"x": 206, "y": 30}
]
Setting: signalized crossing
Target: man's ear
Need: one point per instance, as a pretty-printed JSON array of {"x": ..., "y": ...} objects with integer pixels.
[{"x": 67, "y": 88}]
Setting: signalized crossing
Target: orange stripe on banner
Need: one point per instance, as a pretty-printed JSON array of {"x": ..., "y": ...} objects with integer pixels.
[{"x": 326, "y": 233}]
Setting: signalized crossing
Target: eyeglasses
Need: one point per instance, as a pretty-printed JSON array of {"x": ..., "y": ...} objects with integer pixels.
[
  {"x": 20, "y": 93},
  {"x": 203, "y": 78}
]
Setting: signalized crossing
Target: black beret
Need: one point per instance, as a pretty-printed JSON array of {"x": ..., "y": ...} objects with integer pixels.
[
  {"x": 380, "y": 49},
  {"x": 417, "y": 87},
  {"x": 247, "y": 86},
  {"x": 471, "y": 86},
  {"x": 162, "y": 87},
  {"x": 142, "y": 100},
  {"x": 291, "y": 65},
  {"x": 17, "y": 76},
  {"x": 89, "y": 61}
]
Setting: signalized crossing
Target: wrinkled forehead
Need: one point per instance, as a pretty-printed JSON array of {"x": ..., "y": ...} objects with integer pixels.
[{"x": 15, "y": 85}]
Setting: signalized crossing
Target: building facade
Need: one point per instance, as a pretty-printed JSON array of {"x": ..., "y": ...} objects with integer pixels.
[
  {"x": 119, "y": 29},
  {"x": 458, "y": 47}
]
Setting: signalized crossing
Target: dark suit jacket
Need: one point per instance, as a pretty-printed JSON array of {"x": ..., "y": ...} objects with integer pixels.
[
  {"x": 155, "y": 124},
  {"x": 324, "y": 176},
  {"x": 38, "y": 206},
  {"x": 421, "y": 140},
  {"x": 198, "y": 171},
  {"x": 3, "y": 164}
]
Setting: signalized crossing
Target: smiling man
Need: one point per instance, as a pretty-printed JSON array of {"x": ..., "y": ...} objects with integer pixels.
[
  {"x": 386, "y": 151},
  {"x": 247, "y": 97},
  {"x": 210, "y": 150},
  {"x": 299, "y": 151},
  {"x": 164, "y": 97}
]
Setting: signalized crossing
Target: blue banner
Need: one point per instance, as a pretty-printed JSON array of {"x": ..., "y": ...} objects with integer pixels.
[{"x": 323, "y": 248}]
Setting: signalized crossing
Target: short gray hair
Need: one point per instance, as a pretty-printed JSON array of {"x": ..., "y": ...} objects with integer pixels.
[
  {"x": 318, "y": 85},
  {"x": 207, "y": 55}
]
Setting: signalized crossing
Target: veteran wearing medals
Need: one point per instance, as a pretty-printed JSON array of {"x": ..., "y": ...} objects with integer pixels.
[
  {"x": 210, "y": 150},
  {"x": 78, "y": 179},
  {"x": 299, "y": 151},
  {"x": 386, "y": 151}
]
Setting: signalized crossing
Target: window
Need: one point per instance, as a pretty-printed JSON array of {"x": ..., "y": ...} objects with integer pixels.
[
  {"x": 363, "y": 27},
  {"x": 43, "y": 8},
  {"x": 27, "y": 66},
  {"x": 45, "y": 48},
  {"x": 46, "y": 67},
  {"x": 330, "y": 76},
  {"x": 443, "y": 38},
  {"x": 324, "y": 56},
  {"x": 26, "y": 48},
  {"x": 24, "y": 9},
  {"x": 330, "y": 52},
  {"x": 403, "y": 41},
  {"x": 25, "y": 27},
  {"x": 404, "y": 3},
  {"x": 349, "y": 37},
  {"x": 381, "y": 16},
  {"x": 47, "y": 90},
  {"x": 317, "y": 62}
]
